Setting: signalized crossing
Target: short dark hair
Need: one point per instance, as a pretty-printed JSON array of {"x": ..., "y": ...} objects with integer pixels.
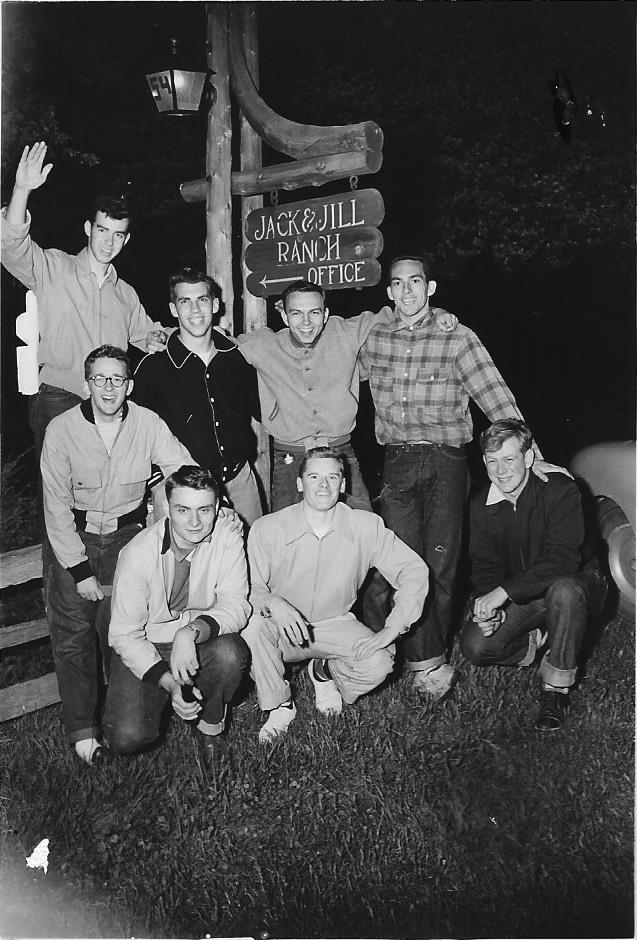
[
  {"x": 196, "y": 478},
  {"x": 115, "y": 207},
  {"x": 301, "y": 287},
  {"x": 191, "y": 276},
  {"x": 426, "y": 259},
  {"x": 500, "y": 431},
  {"x": 324, "y": 453},
  {"x": 106, "y": 352}
]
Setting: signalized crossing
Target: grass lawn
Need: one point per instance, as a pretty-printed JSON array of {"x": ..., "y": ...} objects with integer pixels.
[{"x": 398, "y": 819}]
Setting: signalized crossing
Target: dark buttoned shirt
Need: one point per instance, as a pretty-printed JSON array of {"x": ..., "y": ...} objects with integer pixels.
[{"x": 207, "y": 407}]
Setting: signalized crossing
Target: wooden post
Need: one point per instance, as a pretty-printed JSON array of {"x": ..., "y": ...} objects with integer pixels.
[
  {"x": 218, "y": 163},
  {"x": 254, "y": 308}
]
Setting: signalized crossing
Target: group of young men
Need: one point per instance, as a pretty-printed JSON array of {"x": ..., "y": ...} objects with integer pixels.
[{"x": 178, "y": 611}]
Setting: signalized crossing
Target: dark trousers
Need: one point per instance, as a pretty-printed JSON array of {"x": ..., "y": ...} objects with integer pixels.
[
  {"x": 284, "y": 475},
  {"x": 134, "y": 709},
  {"x": 563, "y": 611},
  {"x": 423, "y": 501},
  {"x": 79, "y": 631}
]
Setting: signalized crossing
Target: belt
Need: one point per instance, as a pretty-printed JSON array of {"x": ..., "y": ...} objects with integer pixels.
[
  {"x": 419, "y": 445},
  {"x": 311, "y": 442},
  {"x": 129, "y": 518}
]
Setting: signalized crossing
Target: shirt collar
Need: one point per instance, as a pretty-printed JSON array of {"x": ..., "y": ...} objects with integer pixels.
[
  {"x": 397, "y": 324},
  {"x": 85, "y": 266},
  {"x": 179, "y": 354},
  {"x": 528, "y": 494},
  {"x": 295, "y": 525}
]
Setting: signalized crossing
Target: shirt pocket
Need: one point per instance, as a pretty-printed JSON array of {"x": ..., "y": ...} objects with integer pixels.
[
  {"x": 382, "y": 377},
  {"x": 132, "y": 479},
  {"x": 86, "y": 486},
  {"x": 432, "y": 388}
]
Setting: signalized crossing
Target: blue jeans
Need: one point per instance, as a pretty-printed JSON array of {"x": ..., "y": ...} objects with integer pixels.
[
  {"x": 423, "y": 500},
  {"x": 79, "y": 631},
  {"x": 563, "y": 610},
  {"x": 134, "y": 709},
  {"x": 284, "y": 475}
]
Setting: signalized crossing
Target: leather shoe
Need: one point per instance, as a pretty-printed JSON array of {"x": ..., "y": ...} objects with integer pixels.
[
  {"x": 99, "y": 756},
  {"x": 214, "y": 750},
  {"x": 553, "y": 709}
]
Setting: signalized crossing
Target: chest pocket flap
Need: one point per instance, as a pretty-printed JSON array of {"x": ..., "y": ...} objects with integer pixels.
[{"x": 89, "y": 480}]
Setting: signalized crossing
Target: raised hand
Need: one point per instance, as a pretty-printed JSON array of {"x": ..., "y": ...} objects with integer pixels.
[{"x": 32, "y": 172}]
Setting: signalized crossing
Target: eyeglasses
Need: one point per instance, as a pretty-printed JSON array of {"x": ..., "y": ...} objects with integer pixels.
[{"x": 116, "y": 380}]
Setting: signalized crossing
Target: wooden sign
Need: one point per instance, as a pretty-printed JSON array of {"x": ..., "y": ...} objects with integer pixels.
[{"x": 331, "y": 241}]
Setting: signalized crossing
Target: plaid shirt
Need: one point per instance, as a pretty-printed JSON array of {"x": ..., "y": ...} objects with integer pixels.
[{"x": 421, "y": 380}]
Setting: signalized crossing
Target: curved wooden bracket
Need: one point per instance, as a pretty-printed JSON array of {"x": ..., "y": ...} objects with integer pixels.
[{"x": 295, "y": 140}]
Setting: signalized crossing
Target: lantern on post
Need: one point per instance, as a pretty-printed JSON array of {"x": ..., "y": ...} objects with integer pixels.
[{"x": 177, "y": 91}]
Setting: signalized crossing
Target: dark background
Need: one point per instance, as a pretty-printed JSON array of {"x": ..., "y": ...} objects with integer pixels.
[{"x": 535, "y": 236}]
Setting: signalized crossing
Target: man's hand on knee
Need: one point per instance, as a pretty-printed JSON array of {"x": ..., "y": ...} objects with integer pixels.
[
  {"x": 487, "y": 611},
  {"x": 186, "y": 710},
  {"x": 289, "y": 621}
]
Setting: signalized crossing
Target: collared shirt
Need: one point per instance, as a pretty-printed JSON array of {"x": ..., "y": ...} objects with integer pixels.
[
  {"x": 524, "y": 547},
  {"x": 421, "y": 381},
  {"x": 75, "y": 313},
  {"x": 207, "y": 406},
  {"x": 320, "y": 577},
  {"x": 78, "y": 473},
  {"x": 308, "y": 391}
]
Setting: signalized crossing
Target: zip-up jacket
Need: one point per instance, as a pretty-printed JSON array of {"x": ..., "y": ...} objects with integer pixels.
[
  {"x": 208, "y": 407},
  {"x": 75, "y": 314},
  {"x": 140, "y": 616},
  {"x": 524, "y": 548},
  {"x": 78, "y": 474}
]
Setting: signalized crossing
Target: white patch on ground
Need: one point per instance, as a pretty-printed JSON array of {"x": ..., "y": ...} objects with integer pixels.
[{"x": 39, "y": 858}]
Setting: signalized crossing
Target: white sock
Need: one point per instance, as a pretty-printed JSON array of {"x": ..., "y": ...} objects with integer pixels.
[
  {"x": 555, "y": 688},
  {"x": 86, "y": 748}
]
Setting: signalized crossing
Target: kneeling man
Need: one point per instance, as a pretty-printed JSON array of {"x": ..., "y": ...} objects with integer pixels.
[
  {"x": 179, "y": 602},
  {"x": 531, "y": 569},
  {"x": 307, "y": 563}
]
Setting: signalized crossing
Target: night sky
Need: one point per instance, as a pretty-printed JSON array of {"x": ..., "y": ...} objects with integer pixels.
[{"x": 440, "y": 79}]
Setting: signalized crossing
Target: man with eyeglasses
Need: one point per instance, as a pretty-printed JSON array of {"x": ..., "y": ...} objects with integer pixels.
[
  {"x": 96, "y": 461},
  {"x": 205, "y": 391}
]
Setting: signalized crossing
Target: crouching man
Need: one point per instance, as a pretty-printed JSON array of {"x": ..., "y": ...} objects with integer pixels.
[
  {"x": 179, "y": 602},
  {"x": 535, "y": 581},
  {"x": 307, "y": 562}
]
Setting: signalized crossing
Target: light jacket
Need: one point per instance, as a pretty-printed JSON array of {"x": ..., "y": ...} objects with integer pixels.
[
  {"x": 78, "y": 473},
  {"x": 140, "y": 616},
  {"x": 75, "y": 314}
]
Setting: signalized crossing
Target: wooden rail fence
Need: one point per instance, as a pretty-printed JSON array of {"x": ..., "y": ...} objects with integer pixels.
[{"x": 19, "y": 567}]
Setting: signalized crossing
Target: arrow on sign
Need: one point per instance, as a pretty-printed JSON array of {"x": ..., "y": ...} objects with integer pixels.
[{"x": 275, "y": 280}]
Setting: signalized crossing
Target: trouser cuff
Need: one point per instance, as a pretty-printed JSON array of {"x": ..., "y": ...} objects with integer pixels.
[
  {"x": 426, "y": 665},
  {"x": 560, "y": 678},
  {"x": 212, "y": 727},
  {"x": 531, "y": 651}
]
